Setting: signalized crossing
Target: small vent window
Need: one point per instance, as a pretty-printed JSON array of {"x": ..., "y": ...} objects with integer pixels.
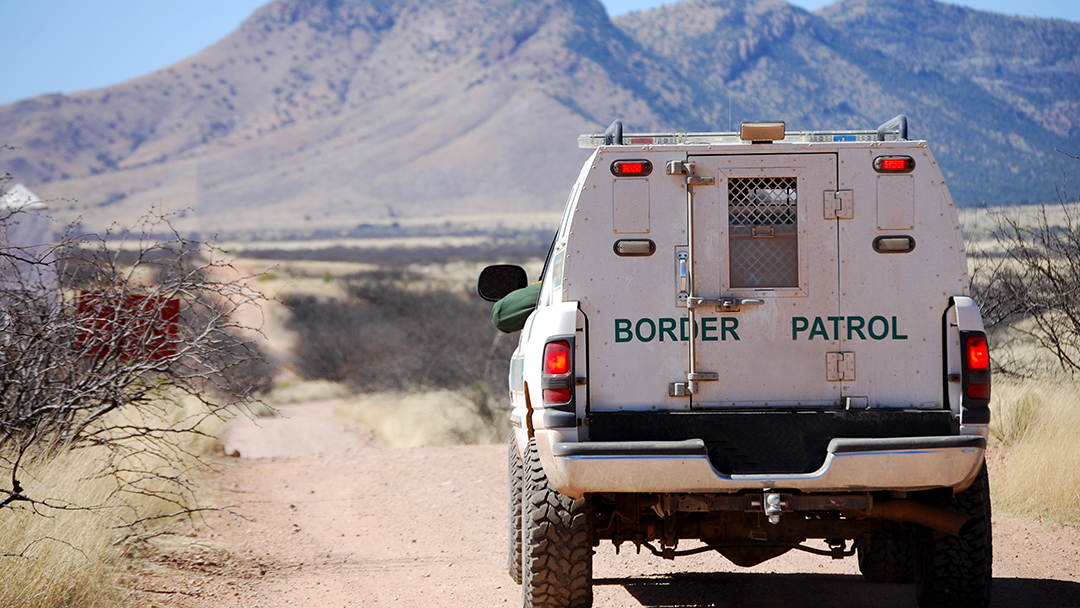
[{"x": 763, "y": 232}]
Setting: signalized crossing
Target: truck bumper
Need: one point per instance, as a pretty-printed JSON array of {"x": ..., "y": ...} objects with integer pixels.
[{"x": 898, "y": 463}]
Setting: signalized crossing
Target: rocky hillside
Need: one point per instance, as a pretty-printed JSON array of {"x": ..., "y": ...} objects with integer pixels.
[{"x": 334, "y": 115}]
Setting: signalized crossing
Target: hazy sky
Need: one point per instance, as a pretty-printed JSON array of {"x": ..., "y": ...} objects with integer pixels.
[{"x": 63, "y": 46}]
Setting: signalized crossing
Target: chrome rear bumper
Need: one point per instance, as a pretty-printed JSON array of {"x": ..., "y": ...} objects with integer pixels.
[{"x": 899, "y": 463}]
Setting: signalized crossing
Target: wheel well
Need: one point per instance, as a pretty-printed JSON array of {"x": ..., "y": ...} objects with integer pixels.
[{"x": 529, "y": 413}]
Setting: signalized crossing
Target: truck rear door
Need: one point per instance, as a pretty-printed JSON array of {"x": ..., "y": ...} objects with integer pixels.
[{"x": 764, "y": 241}]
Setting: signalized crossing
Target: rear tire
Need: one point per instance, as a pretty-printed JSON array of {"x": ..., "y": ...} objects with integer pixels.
[
  {"x": 884, "y": 558},
  {"x": 557, "y": 542},
  {"x": 517, "y": 478},
  {"x": 956, "y": 572}
]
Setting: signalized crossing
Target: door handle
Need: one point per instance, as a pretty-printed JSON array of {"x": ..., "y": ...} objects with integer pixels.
[
  {"x": 684, "y": 276},
  {"x": 724, "y": 304}
]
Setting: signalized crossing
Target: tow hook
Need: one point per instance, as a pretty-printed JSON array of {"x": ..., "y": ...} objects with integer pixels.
[
  {"x": 838, "y": 548},
  {"x": 773, "y": 507}
]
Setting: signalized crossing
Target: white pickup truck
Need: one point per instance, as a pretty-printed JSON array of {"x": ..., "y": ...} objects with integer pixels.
[{"x": 752, "y": 343}]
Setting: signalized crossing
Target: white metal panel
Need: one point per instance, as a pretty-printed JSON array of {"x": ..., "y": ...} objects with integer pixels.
[
  {"x": 630, "y": 205},
  {"x": 626, "y": 299},
  {"x": 896, "y": 202},
  {"x": 892, "y": 304},
  {"x": 765, "y": 359}
]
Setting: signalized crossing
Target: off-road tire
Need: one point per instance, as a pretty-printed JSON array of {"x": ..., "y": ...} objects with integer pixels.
[
  {"x": 956, "y": 572},
  {"x": 884, "y": 558},
  {"x": 557, "y": 542},
  {"x": 517, "y": 483}
]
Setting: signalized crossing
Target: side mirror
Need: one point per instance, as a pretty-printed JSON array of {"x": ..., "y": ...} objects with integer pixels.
[{"x": 495, "y": 282}]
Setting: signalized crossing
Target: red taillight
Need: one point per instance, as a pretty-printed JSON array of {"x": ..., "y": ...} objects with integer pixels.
[
  {"x": 894, "y": 164},
  {"x": 631, "y": 168},
  {"x": 557, "y": 381},
  {"x": 556, "y": 395},
  {"x": 978, "y": 354},
  {"x": 976, "y": 369},
  {"x": 557, "y": 358}
]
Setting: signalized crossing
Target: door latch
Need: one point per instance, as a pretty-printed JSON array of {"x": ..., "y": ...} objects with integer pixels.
[{"x": 724, "y": 304}]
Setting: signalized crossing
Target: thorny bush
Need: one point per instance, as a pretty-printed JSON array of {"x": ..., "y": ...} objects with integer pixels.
[
  {"x": 1028, "y": 288},
  {"x": 123, "y": 341}
]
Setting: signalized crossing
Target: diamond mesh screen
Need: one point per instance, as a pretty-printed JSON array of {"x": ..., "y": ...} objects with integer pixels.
[{"x": 763, "y": 229}]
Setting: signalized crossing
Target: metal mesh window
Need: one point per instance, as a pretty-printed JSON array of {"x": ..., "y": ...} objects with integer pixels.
[{"x": 763, "y": 229}]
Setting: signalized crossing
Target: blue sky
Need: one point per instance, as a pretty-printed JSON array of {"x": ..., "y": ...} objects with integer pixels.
[{"x": 63, "y": 46}]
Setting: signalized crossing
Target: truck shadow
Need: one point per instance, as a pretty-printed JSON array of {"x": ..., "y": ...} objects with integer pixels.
[{"x": 739, "y": 590}]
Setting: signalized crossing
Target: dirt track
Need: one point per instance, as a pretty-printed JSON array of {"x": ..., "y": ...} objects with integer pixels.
[{"x": 338, "y": 521}]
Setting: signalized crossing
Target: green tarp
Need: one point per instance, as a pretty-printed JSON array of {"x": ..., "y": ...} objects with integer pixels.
[{"x": 511, "y": 312}]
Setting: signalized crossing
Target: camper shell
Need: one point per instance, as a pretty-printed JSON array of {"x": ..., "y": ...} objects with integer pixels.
[{"x": 752, "y": 340}]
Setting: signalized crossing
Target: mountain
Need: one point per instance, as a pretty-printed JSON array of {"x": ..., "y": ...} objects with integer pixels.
[
  {"x": 336, "y": 115},
  {"x": 992, "y": 110}
]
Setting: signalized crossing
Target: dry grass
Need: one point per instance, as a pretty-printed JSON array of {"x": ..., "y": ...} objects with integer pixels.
[
  {"x": 1039, "y": 424},
  {"x": 70, "y": 556},
  {"x": 431, "y": 418},
  {"x": 62, "y": 558}
]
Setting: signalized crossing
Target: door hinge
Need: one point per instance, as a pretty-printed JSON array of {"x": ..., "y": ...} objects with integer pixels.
[
  {"x": 839, "y": 204},
  {"x": 839, "y": 367}
]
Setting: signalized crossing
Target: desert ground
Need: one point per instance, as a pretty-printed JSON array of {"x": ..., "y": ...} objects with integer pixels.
[{"x": 323, "y": 516}]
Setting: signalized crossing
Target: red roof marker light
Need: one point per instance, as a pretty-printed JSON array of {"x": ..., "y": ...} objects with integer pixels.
[
  {"x": 894, "y": 164},
  {"x": 631, "y": 168}
]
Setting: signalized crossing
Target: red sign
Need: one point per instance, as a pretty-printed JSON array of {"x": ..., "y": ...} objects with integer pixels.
[{"x": 127, "y": 326}]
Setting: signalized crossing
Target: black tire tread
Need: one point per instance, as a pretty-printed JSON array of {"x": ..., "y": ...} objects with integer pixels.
[
  {"x": 557, "y": 543},
  {"x": 886, "y": 559},
  {"x": 956, "y": 572},
  {"x": 517, "y": 484}
]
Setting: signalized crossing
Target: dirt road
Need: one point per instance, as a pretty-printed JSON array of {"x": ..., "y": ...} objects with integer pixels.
[{"x": 336, "y": 521}]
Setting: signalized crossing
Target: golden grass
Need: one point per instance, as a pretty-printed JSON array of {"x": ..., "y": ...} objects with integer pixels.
[
  {"x": 419, "y": 419},
  {"x": 70, "y": 557},
  {"x": 56, "y": 557},
  {"x": 1039, "y": 424}
]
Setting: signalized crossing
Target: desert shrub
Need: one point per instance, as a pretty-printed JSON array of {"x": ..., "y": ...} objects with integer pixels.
[
  {"x": 1028, "y": 289},
  {"x": 127, "y": 348},
  {"x": 390, "y": 333},
  {"x": 119, "y": 356},
  {"x": 385, "y": 335}
]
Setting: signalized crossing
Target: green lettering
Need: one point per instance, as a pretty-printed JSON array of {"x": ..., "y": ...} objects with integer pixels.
[
  {"x": 855, "y": 324},
  {"x": 884, "y": 331},
  {"x": 895, "y": 335},
  {"x": 667, "y": 326},
  {"x": 818, "y": 329},
  {"x": 798, "y": 324},
  {"x": 706, "y": 328},
  {"x": 729, "y": 325},
  {"x": 835, "y": 326},
  {"x": 652, "y": 330},
  {"x": 622, "y": 330},
  {"x": 684, "y": 326}
]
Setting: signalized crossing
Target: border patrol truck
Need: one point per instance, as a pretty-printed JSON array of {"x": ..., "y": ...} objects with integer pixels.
[{"x": 752, "y": 343}]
